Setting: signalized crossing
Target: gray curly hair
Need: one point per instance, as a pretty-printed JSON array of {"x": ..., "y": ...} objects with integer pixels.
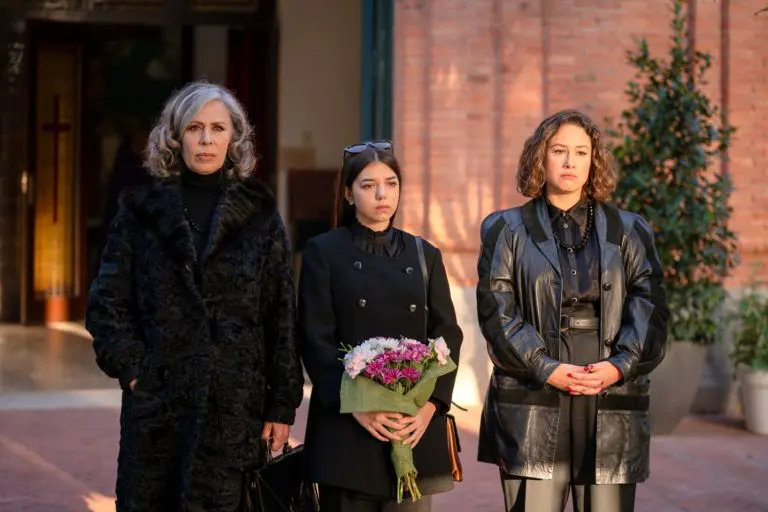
[{"x": 164, "y": 144}]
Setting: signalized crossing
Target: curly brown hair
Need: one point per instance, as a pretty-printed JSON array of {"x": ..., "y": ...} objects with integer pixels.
[{"x": 531, "y": 178}]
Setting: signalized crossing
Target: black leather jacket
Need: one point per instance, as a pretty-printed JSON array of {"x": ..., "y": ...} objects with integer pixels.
[{"x": 518, "y": 306}]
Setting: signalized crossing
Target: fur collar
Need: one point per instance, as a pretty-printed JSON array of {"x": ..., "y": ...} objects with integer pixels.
[{"x": 158, "y": 207}]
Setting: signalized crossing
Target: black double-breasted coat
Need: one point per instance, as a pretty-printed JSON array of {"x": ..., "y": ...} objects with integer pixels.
[
  {"x": 347, "y": 295},
  {"x": 211, "y": 341}
]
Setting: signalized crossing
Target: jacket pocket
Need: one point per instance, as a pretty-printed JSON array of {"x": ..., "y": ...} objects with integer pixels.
[
  {"x": 151, "y": 390},
  {"x": 143, "y": 403},
  {"x": 623, "y": 446},
  {"x": 525, "y": 423}
]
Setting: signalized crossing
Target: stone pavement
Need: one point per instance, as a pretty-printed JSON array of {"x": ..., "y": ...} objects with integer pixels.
[{"x": 59, "y": 431}]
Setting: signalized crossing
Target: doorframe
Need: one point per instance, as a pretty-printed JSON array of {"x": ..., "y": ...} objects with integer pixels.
[
  {"x": 32, "y": 306},
  {"x": 376, "y": 54}
]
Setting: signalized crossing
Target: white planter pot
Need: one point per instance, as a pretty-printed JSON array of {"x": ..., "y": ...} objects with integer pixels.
[
  {"x": 674, "y": 384},
  {"x": 753, "y": 388}
]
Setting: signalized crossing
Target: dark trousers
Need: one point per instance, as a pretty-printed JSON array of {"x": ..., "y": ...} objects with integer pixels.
[
  {"x": 575, "y": 453},
  {"x": 334, "y": 499}
]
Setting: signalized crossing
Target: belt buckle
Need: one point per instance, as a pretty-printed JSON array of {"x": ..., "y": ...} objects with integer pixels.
[{"x": 565, "y": 323}]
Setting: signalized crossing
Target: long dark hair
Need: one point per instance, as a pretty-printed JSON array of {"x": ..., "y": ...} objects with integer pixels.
[{"x": 351, "y": 168}]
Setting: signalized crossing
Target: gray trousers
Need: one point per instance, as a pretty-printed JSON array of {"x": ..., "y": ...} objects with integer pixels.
[{"x": 530, "y": 495}]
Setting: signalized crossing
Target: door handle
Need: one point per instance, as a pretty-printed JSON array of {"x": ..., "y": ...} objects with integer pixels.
[{"x": 27, "y": 187}]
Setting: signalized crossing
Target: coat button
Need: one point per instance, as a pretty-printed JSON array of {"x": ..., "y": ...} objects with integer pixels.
[
  {"x": 412, "y": 308},
  {"x": 361, "y": 303},
  {"x": 409, "y": 270},
  {"x": 357, "y": 265},
  {"x": 608, "y": 342},
  {"x": 607, "y": 286}
]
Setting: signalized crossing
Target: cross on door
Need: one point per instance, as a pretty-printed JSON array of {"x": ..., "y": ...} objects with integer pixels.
[{"x": 57, "y": 128}]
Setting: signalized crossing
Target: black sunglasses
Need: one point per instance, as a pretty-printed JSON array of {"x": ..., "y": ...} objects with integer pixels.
[{"x": 354, "y": 149}]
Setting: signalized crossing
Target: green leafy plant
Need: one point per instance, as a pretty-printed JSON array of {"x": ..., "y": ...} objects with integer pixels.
[
  {"x": 666, "y": 144},
  {"x": 750, "y": 337}
]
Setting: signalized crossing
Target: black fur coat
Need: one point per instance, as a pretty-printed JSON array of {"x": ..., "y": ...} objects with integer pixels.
[{"x": 211, "y": 343}]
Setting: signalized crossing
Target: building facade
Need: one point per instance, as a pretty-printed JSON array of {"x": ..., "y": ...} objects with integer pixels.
[
  {"x": 473, "y": 79},
  {"x": 457, "y": 84},
  {"x": 82, "y": 80}
]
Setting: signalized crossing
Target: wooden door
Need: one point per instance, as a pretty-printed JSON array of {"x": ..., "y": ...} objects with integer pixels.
[{"x": 53, "y": 229}]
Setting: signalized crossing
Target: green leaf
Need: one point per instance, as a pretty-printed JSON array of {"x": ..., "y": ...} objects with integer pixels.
[{"x": 668, "y": 147}]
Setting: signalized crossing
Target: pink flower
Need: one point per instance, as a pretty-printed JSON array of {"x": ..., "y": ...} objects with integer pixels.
[
  {"x": 390, "y": 375},
  {"x": 442, "y": 350},
  {"x": 412, "y": 374},
  {"x": 374, "y": 368},
  {"x": 355, "y": 365}
]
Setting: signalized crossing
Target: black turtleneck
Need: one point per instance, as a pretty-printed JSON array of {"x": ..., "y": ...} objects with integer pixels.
[
  {"x": 387, "y": 243},
  {"x": 200, "y": 194}
]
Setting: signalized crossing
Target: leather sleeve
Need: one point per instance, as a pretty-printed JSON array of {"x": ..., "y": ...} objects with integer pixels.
[
  {"x": 639, "y": 346},
  {"x": 514, "y": 345}
]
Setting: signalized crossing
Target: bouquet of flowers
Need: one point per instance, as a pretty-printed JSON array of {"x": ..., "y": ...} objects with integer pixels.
[{"x": 398, "y": 375}]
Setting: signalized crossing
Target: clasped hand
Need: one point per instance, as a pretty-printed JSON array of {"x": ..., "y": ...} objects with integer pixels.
[
  {"x": 584, "y": 380},
  {"x": 393, "y": 426}
]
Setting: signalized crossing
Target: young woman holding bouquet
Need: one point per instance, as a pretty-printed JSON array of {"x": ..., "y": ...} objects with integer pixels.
[
  {"x": 570, "y": 300},
  {"x": 359, "y": 281}
]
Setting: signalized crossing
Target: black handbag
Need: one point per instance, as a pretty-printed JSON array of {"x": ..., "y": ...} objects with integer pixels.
[{"x": 278, "y": 484}]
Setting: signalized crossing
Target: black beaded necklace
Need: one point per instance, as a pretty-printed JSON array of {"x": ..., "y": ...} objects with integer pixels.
[
  {"x": 585, "y": 237},
  {"x": 192, "y": 224}
]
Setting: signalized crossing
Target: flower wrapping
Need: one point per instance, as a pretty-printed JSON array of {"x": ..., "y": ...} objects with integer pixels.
[{"x": 394, "y": 375}]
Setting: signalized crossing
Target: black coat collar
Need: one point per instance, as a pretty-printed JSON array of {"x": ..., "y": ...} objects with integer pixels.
[
  {"x": 159, "y": 207},
  {"x": 607, "y": 223}
]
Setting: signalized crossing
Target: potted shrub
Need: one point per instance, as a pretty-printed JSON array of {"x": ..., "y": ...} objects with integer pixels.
[
  {"x": 750, "y": 357},
  {"x": 668, "y": 145}
]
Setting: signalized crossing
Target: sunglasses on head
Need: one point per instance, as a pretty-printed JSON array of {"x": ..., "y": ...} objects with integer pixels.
[{"x": 354, "y": 149}]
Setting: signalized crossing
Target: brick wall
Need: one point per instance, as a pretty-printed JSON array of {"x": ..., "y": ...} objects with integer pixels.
[{"x": 473, "y": 79}]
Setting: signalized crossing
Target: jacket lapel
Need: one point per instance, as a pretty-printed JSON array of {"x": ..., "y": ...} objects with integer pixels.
[
  {"x": 159, "y": 208},
  {"x": 243, "y": 202},
  {"x": 609, "y": 233},
  {"x": 537, "y": 223}
]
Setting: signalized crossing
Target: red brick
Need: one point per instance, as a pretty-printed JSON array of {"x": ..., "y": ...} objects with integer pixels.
[{"x": 496, "y": 68}]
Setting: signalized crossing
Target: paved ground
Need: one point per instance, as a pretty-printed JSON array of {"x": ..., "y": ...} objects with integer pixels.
[
  {"x": 64, "y": 460},
  {"x": 58, "y": 444}
]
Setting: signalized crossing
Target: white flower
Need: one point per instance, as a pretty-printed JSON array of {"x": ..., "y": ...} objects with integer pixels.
[{"x": 358, "y": 358}]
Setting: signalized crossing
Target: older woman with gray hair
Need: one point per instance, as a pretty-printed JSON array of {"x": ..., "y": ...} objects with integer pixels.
[{"x": 193, "y": 313}]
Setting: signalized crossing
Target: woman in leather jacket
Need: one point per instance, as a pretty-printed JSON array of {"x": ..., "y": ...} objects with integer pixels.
[{"x": 571, "y": 304}]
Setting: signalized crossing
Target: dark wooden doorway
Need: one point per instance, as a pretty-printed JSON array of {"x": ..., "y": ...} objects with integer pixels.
[{"x": 88, "y": 99}]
